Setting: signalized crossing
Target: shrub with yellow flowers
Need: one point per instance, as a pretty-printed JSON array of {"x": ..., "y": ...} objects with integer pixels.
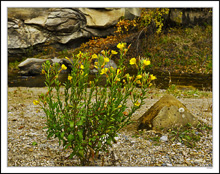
[{"x": 88, "y": 116}]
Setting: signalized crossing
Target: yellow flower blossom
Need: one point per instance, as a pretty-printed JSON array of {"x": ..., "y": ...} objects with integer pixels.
[
  {"x": 117, "y": 79},
  {"x": 114, "y": 52},
  {"x": 152, "y": 77},
  {"x": 79, "y": 54},
  {"x": 70, "y": 78},
  {"x": 121, "y": 46},
  {"x": 146, "y": 62},
  {"x": 125, "y": 51},
  {"x": 103, "y": 52},
  {"x": 94, "y": 56},
  {"x": 106, "y": 59},
  {"x": 118, "y": 71},
  {"x": 119, "y": 106},
  {"x": 82, "y": 66},
  {"x": 137, "y": 103},
  {"x": 133, "y": 61},
  {"x": 112, "y": 68},
  {"x": 63, "y": 67},
  {"x": 36, "y": 102},
  {"x": 104, "y": 71},
  {"x": 43, "y": 71},
  {"x": 150, "y": 84},
  {"x": 139, "y": 76},
  {"x": 138, "y": 82}
]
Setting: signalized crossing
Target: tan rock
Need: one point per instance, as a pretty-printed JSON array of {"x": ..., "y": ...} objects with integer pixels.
[{"x": 166, "y": 113}]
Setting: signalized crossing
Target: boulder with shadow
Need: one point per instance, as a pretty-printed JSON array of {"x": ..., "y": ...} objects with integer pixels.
[{"x": 166, "y": 113}]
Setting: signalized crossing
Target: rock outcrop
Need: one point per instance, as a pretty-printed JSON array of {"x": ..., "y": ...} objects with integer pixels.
[
  {"x": 31, "y": 28},
  {"x": 190, "y": 16},
  {"x": 166, "y": 113}
]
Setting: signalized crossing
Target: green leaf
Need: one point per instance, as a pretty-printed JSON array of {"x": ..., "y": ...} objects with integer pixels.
[
  {"x": 109, "y": 140},
  {"x": 71, "y": 155},
  {"x": 34, "y": 143},
  {"x": 71, "y": 124},
  {"x": 80, "y": 135},
  {"x": 62, "y": 134},
  {"x": 81, "y": 153},
  {"x": 188, "y": 137},
  {"x": 80, "y": 122},
  {"x": 70, "y": 137}
]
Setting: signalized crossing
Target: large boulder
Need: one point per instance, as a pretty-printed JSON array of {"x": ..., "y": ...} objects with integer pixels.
[
  {"x": 31, "y": 28},
  {"x": 33, "y": 66},
  {"x": 166, "y": 113}
]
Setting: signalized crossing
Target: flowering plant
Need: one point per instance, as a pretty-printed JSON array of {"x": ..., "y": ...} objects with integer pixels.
[{"x": 88, "y": 116}]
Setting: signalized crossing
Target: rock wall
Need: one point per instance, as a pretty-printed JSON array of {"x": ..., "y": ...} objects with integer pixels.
[
  {"x": 190, "y": 16},
  {"x": 31, "y": 28}
]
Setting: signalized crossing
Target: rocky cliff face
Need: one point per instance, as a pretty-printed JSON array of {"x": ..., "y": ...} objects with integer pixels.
[{"x": 29, "y": 29}]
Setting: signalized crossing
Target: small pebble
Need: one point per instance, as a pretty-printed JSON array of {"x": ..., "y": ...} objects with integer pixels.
[{"x": 164, "y": 138}]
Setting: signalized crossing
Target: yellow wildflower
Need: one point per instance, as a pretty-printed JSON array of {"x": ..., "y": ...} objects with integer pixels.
[
  {"x": 137, "y": 103},
  {"x": 150, "y": 84},
  {"x": 36, "y": 102},
  {"x": 79, "y": 54},
  {"x": 152, "y": 77},
  {"x": 67, "y": 58},
  {"x": 43, "y": 71},
  {"x": 138, "y": 82},
  {"x": 139, "y": 76},
  {"x": 119, "y": 106},
  {"x": 117, "y": 79},
  {"x": 114, "y": 52},
  {"x": 133, "y": 61},
  {"x": 94, "y": 56},
  {"x": 82, "y": 66},
  {"x": 70, "y": 78},
  {"x": 112, "y": 68},
  {"x": 91, "y": 82},
  {"x": 118, "y": 71},
  {"x": 63, "y": 67},
  {"x": 106, "y": 59},
  {"x": 146, "y": 62},
  {"x": 125, "y": 51},
  {"x": 121, "y": 46},
  {"x": 104, "y": 71},
  {"x": 103, "y": 52}
]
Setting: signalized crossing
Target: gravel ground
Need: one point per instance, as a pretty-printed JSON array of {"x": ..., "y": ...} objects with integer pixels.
[{"x": 26, "y": 122}]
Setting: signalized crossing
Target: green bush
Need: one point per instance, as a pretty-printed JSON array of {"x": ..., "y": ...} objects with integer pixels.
[{"x": 88, "y": 116}]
